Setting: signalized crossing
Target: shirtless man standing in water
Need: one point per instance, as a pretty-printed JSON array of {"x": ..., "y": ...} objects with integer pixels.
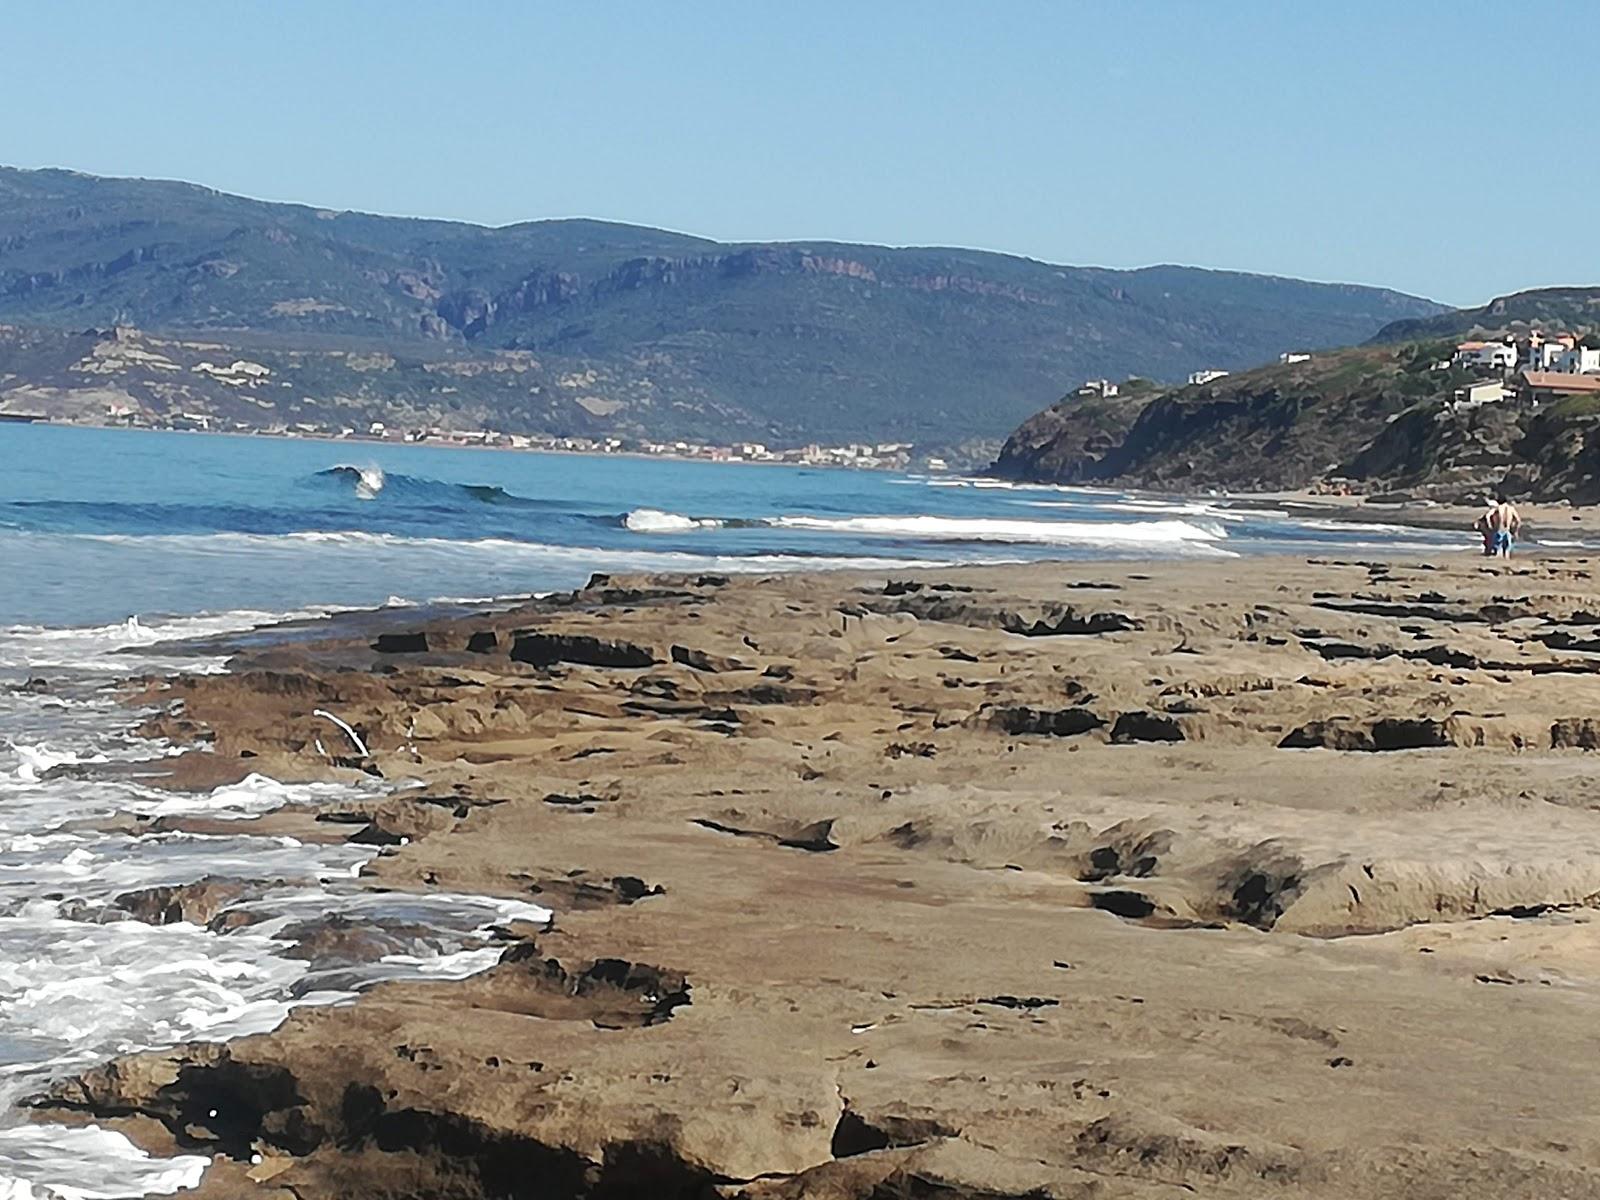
[{"x": 1504, "y": 524}]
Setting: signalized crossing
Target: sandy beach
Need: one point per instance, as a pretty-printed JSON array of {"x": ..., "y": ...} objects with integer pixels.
[{"x": 1237, "y": 878}]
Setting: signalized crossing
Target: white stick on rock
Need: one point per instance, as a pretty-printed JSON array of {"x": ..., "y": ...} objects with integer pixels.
[{"x": 361, "y": 747}]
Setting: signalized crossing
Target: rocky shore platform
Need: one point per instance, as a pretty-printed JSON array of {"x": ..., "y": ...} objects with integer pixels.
[{"x": 1236, "y": 878}]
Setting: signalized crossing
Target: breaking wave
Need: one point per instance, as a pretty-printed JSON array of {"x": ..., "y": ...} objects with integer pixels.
[
  {"x": 374, "y": 483},
  {"x": 653, "y": 520},
  {"x": 955, "y": 529},
  {"x": 980, "y": 529},
  {"x": 497, "y": 551}
]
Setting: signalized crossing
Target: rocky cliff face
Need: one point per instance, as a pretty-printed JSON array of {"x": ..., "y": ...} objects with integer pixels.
[
  {"x": 1435, "y": 449},
  {"x": 1380, "y": 416},
  {"x": 1277, "y": 427},
  {"x": 1071, "y": 441},
  {"x": 1558, "y": 455}
]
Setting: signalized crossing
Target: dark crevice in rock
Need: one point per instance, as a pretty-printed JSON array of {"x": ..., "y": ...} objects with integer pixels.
[
  {"x": 1575, "y": 733},
  {"x": 612, "y": 993},
  {"x": 1132, "y": 905},
  {"x": 815, "y": 837},
  {"x": 547, "y": 649},
  {"x": 1068, "y": 621},
  {"x": 1019, "y": 1002},
  {"x": 856, "y": 1134},
  {"x": 401, "y": 643},
  {"x": 1146, "y": 727},
  {"x": 219, "y": 1106},
  {"x": 1383, "y": 734},
  {"x": 1058, "y": 722},
  {"x": 1049, "y": 620},
  {"x": 212, "y": 1103},
  {"x": 701, "y": 660},
  {"x": 576, "y": 892},
  {"x": 1259, "y": 897}
]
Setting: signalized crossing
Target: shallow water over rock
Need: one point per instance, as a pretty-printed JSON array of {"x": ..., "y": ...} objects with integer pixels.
[{"x": 99, "y": 953}]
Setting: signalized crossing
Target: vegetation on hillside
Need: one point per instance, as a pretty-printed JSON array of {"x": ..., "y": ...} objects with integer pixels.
[
  {"x": 1381, "y": 416},
  {"x": 1280, "y": 426},
  {"x": 1569, "y": 309},
  {"x": 684, "y": 337}
]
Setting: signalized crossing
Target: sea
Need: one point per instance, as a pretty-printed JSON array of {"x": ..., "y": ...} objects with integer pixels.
[
  {"x": 97, "y": 526},
  {"x": 117, "y": 547}
]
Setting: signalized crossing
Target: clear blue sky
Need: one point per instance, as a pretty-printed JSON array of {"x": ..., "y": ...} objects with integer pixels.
[{"x": 1440, "y": 148}]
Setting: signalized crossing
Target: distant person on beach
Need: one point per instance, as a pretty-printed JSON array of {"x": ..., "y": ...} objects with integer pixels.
[
  {"x": 1504, "y": 524},
  {"x": 1484, "y": 526}
]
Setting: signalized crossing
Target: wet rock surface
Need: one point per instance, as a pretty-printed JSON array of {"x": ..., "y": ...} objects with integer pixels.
[
  {"x": 1236, "y": 879},
  {"x": 197, "y": 903}
]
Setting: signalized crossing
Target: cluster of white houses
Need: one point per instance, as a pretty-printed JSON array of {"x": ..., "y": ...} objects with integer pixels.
[
  {"x": 1562, "y": 353},
  {"x": 1535, "y": 369}
]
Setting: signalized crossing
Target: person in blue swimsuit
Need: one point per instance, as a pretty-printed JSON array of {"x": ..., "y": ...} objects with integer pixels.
[{"x": 1504, "y": 525}]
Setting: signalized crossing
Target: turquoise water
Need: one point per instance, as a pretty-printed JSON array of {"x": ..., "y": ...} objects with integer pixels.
[{"x": 100, "y": 525}]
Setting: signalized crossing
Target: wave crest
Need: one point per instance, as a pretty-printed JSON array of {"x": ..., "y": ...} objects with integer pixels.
[
  {"x": 371, "y": 483},
  {"x": 984, "y": 529},
  {"x": 653, "y": 520}
]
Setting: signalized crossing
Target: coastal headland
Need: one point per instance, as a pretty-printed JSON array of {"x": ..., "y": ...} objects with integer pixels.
[{"x": 1235, "y": 877}]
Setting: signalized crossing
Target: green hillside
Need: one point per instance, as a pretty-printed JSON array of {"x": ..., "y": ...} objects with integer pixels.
[
  {"x": 683, "y": 337},
  {"x": 1279, "y": 426},
  {"x": 1381, "y": 416},
  {"x": 1570, "y": 309}
]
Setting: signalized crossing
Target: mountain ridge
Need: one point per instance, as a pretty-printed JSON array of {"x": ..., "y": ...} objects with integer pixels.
[
  {"x": 782, "y": 341},
  {"x": 1573, "y": 308}
]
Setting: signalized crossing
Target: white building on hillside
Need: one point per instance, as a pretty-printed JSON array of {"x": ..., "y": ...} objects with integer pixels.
[
  {"x": 1540, "y": 352},
  {"x": 1485, "y": 391},
  {"x": 1103, "y": 388},
  {"x": 1486, "y": 356},
  {"x": 1578, "y": 360},
  {"x": 1293, "y": 356},
  {"x": 1200, "y": 377}
]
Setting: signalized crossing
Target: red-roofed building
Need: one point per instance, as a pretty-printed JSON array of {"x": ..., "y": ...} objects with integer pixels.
[
  {"x": 1544, "y": 387},
  {"x": 1486, "y": 356}
]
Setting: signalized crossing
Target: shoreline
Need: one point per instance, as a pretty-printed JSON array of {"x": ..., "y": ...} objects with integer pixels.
[
  {"x": 829, "y": 921},
  {"x": 1540, "y": 520},
  {"x": 353, "y": 440},
  {"x": 1556, "y": 522}
]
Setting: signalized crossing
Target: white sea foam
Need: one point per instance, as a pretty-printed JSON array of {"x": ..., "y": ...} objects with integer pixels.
[
  {"x": 80, "y": 981},
  {"x": 101, "y": 1162},
  {"x": 369, "y": 482},
  {"x": 499, "y": 552},
  {"x": 974, "y": 529},
  {"x": 1001, "y": 485},
  {"x": 1331, "y": 526},
  {"x": 130, "y": 646},
  {"x": 653, "y": 520},
  {"x": 1191, "y": 508},
  {"x": 1083, "y": 533},
  {"x": 35, "y": 759},
  {"x": 250, "y": 797}
]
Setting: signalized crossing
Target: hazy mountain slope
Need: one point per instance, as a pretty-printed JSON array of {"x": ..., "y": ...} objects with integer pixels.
[
  {"x": 1571, "y": 309},
  {"x": 791, "y": 342}
]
